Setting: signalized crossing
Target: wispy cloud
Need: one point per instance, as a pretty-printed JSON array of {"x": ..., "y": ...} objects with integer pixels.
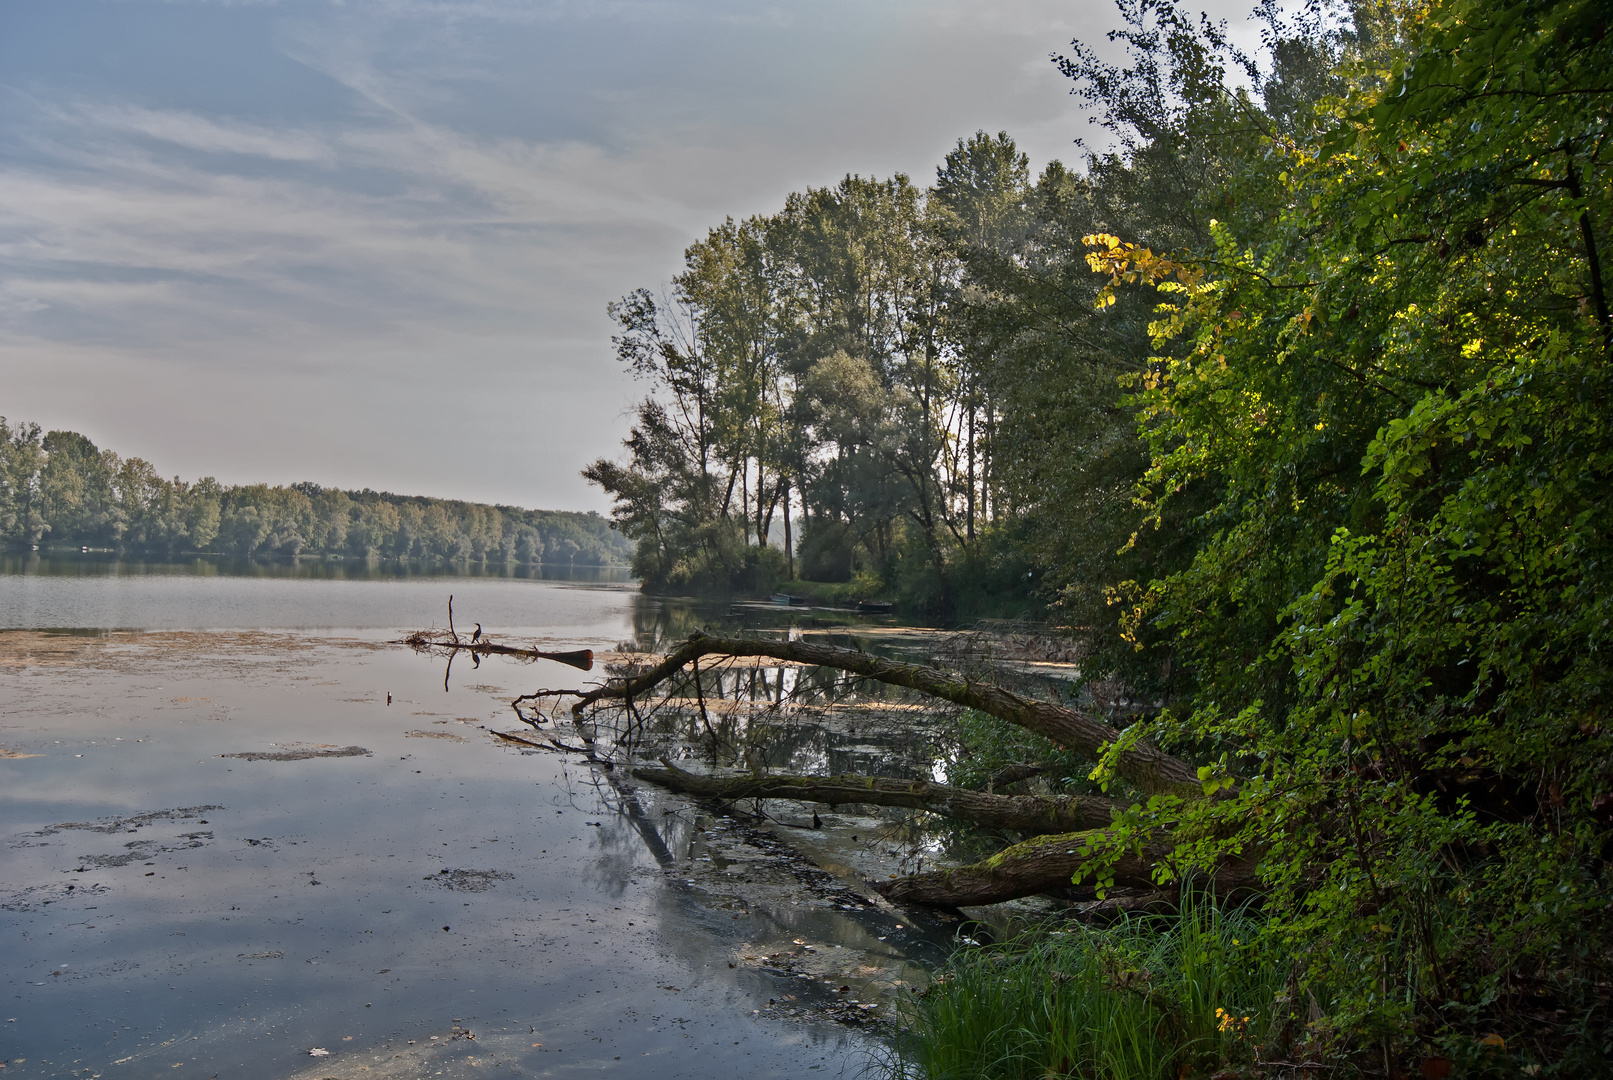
[
  {"x": 331, "y": 227},
  {"x": 193, "y": 132}
]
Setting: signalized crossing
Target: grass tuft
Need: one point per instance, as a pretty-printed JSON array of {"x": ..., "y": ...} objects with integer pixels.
[{"x": 1150, "y": 998}]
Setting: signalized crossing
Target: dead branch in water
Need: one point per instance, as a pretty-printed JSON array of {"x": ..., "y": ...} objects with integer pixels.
[
  {"x": 1045, "y": 863},
  {"x": 1067, "y": 833},
  {"x": 1022, "y": 813},
  {"x": 1142, "y": 764},
  {"x": 447, "y": 645},
  {"x": 553, "y": 745},
  {"x": 1075, "y": 838},
  {"x": 1070, "y": 835},
  {"x": 436, "y": 643}
]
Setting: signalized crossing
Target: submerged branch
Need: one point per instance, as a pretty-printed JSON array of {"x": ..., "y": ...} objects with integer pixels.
[
  {"x": 1022, "y": 813},
  {"x": 1070, "y": 835},
  {"x": 423, "y": 641}
]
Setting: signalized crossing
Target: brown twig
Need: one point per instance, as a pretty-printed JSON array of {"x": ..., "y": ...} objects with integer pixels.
[
  {"x": 512, "y": 737},
  {"x": 534, "y": 696}
]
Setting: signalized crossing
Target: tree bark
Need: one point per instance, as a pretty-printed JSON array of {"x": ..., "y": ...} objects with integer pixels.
[
  {"x": 1042, "y": 864},
  {"x": 789, "y": 543},
  {"x": 1022, "y": 813},
  {"x": 1142, "y": 765}
]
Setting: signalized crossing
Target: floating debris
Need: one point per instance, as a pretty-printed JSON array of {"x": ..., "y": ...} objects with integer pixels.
[
  {"x": 468, "y": 880},
  {"x": 301, "y": 754}
]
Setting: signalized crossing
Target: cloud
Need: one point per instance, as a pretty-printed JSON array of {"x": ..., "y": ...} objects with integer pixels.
[
  {"x": 399, "y": 222},
  {"x": 193, "y": 132},
  {"x": 339, "y": 241}
]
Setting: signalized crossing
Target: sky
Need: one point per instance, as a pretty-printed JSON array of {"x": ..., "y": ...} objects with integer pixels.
[{"x": 369, "y": 243}]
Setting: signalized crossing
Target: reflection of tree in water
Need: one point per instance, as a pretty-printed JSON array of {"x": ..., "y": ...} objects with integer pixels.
[
  {"x": 730, "y": 702},
  {"x": 823, "y": 716},
  {"x": 763, "y": 718},
  {"x": 760, "y": 717}
]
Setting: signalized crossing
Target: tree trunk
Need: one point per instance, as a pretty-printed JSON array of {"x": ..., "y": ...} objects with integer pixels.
[
  {"x": 1022, "y": 813},
  {"x": 762, "y": 518},
  {"x": 971, "y": 524},
  {"x": 1142, "y": 765},
  {"x": 1043, "y": 864},
  {"x": 789, "y": 543}
]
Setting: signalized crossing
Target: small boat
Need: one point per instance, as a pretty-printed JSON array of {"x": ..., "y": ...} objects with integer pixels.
[
  {"x": 874, "y": 607},
  {"x": 788, "y": 598}
]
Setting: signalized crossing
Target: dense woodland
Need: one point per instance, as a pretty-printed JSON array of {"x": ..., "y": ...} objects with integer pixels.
[
  {"x": 1295, "y": 407},
  {"x": 59, "y": 490}
]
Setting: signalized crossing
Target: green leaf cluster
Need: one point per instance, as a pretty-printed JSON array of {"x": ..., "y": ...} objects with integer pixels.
[{"x": 1382, "y": 389}]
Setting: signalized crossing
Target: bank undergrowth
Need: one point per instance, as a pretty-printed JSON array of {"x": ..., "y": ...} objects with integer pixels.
[{"x": 1150, "y": 998}]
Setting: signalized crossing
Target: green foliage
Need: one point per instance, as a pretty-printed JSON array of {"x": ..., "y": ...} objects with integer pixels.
[
  {"x": 21, "y": 513},
  {"x": 807, "y": 370},
  {"x": 1381, "y": 390},
  {"x": 1318, "y": 462},
  {"x": 60, "y": 489},
  {"x": 863, "y": 586},
  {"x": 1365, "y": 580},
  {"x": 982, "y": 747},
  {"x": 1150, "y": 999}
]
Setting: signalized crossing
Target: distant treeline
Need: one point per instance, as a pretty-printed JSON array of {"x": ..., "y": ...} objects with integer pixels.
[{"x": 58, "y": 489}]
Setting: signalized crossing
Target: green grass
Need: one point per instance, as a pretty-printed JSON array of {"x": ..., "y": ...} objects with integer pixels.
[
  {"x": 1140, "y": 1000},
  {"x": 864, "y": 586}
]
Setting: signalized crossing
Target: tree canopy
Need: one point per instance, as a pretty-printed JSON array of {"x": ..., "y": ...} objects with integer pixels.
[
  {"x": 59, "y": 490},
  {"x": 1294, "y": 407}
]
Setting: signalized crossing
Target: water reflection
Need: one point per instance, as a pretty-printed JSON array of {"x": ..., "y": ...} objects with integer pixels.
[
  {"x": 442, "y": 883},
  {"x": 636, "y": 932},
  {"x": 301, "y": 568},
  {"x": 109, "y": 593}
]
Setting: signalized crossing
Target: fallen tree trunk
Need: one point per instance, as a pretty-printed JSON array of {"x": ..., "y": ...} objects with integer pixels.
[
  {"x": 1071, "y": 831},
  {"x": 1143, "y": 764},
  {"x": 424, "y": 642},
  {"x": 1022, "y": 813},
  {"x": 1046, "y": 863}
]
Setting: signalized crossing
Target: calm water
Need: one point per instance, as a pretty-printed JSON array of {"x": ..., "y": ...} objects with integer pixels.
[
  {"x": 377, "y": 877},
  {"x": 205, "y": 594}
]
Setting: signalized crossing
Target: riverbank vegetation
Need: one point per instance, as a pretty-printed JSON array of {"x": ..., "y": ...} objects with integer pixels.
[
  {"x": 1190, "y": 993},
  {"x": 58, "y": 489},
  {"x": 1294, "y": 407}
]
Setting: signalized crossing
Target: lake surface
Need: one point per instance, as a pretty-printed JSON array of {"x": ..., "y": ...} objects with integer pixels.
[
  {"x": 239, "y": 827},
  {"x": 213, "y": 593}
]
